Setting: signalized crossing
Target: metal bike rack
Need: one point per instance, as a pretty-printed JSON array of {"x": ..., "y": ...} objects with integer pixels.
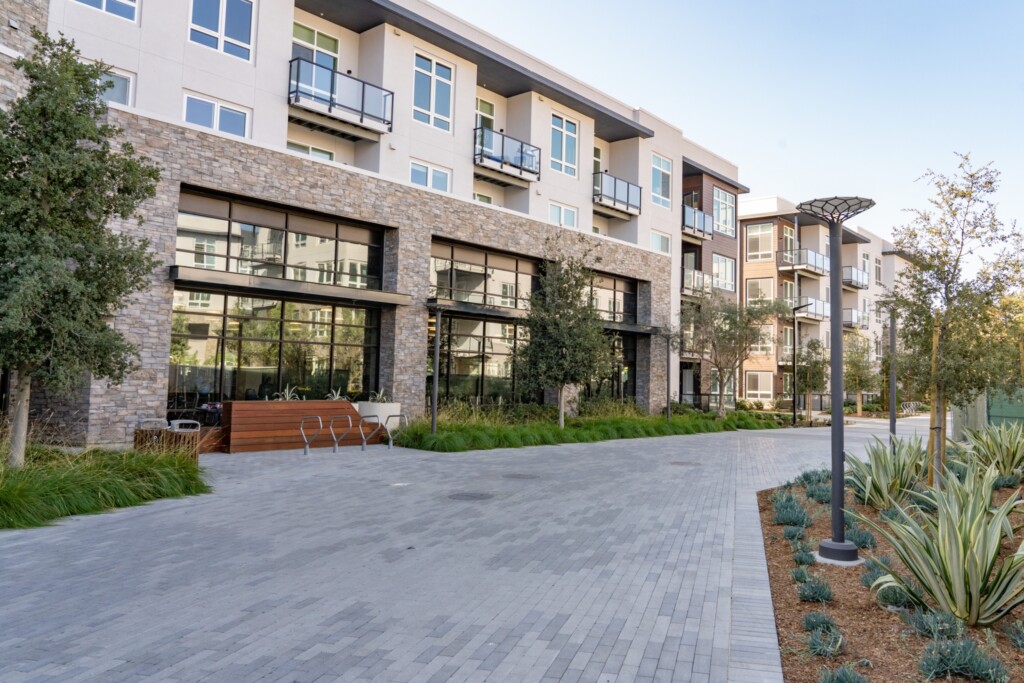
[
  {"x": 403, "y": 422},
  {"x": 334, "y": 434},
  {"x": 307, "y": 439},
  {"x": 368, "y": 420}
]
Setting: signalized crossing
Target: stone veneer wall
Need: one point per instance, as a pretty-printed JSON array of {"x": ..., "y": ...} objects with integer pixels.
[
  {"x": 213, "y": 162},
  {"x": 26, "y": 14}
]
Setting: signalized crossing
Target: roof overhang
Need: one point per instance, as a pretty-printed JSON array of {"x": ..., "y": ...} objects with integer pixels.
[
  {"x": 499, "y": 73},
  {"x": 691, "y": 168},
  {"x": 852, "y": 237}
]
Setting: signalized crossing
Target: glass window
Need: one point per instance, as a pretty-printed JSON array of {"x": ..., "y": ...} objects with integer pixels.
[
  {"x": 126, "y": 9},
  {"x": 760, "y": 288},
  {"x": 760, "y": 242},
  {"x": 661, "y": 242},
  {"x": 787, "y": 384},
  {"x": 119, "y": 89},
  {"x": 432, "y": 92},
  {"x": 597, "y": 160},
  {"x": 559, "y": 214},
  {"x": 324, "y": 154},
  {"x": 725, "y": 212},
  {"x": 865, "y": 260},
  {"x": 789, "y": 291},
  {"x": 427, "y": 175},
  {"x": 564, "y": 134},
  {"x": 211, "y": 114},
  {"x": 759, "y": 386},
  {"x": 484, "y": 114},
  {"x": 787, "y": 344},
  {"x": 614, "y": 298},
  {"x": 878, "y": 271},
  {"x": 224, "y": 25},
  {"x": 766, "y": 344},
  {"x": 661, "y": 181},
  {"x": 482, "y": 198},
  {"x": 723, "y": 272},
  {"x": 788, "y": 238}
]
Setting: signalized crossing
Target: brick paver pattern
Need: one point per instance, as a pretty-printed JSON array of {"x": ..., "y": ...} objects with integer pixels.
[{"x": 635, "y": 560}]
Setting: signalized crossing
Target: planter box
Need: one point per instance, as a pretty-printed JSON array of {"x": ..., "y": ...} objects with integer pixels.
[
  {"x": 274, "y": 425},
  {"x": 381, "y": 410}
]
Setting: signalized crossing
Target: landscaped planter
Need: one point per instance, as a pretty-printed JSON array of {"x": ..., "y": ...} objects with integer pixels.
[
  {"x": 274, "y": 425},
  {"x": 382, "y": 410}
]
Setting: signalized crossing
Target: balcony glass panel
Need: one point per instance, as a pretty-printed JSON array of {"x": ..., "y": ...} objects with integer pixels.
[
  {"x": 325, "y": 86},
  {"x": 804, "y": 258},
  {"x": 696, "y": 221},
  {"x": 621, "y": 193},
  {"x": 490, "y": 145},
  {"x": 855, "y": 277}
]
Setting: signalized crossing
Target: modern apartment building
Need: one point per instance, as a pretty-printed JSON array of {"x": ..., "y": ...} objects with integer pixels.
[
  {"x": 785, "y": 256},
  {"x": 334, "y": 173}
]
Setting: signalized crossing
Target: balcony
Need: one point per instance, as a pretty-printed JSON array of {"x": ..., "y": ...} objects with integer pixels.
[
  {"x": 855, "y": 278},
  {"x": 854, "y": 319},
  {"x": 816, "y": 310},
  {"x": 697, "y": 223},
  {"x": 615, "y": 197},
  {"x": 331, "y": 102},
  {"x": 803, "y": 261},
  {"x": 503, "y": 160},
  {"x": 695, "y": 282}
]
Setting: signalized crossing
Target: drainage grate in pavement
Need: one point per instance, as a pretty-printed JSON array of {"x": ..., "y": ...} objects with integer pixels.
[
  {"x": 517, "y": 475},
  {"x": 471, "y": 496}
]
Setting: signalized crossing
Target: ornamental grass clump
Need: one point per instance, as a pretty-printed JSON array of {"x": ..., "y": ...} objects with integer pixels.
[
  {"x": 789, "y": 512},
  {"x": 826, "y": 643},
  {"x": 844, "y": 674},
  {"x": 812, "y": 477},
  {"x": 814, "y": 621},
  {"x": 820, "y": 493},
  {"x": 800, "y": 574},
  {"x": 934, "y": 625},
  {"x": 1015, "y": 634},
  {"x": 862, "y": 538},
  {"x": 814, "y": 590},
  {"x": 885, "y": 480},
  {"x": 999, "y": 446},
  {"x": 961, "y": 657},
  {"x": 953, "y": 554},
  {"x": 794, "y": 533}
]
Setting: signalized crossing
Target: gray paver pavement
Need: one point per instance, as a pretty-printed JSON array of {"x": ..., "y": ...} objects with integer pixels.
[{"x": 634, "y": 560}]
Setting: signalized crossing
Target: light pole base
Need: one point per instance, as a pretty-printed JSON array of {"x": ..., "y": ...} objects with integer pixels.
[{"x": 839, "y": 552}]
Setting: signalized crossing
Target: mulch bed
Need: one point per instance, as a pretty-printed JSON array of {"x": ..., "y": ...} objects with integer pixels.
[{"x": 878, "y": 643}]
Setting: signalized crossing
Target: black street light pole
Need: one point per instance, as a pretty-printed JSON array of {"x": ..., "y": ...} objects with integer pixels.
[
  {"x": 438, "y": 312},
  {"x": 834, "y": 211},
  {"x": 892, "y": 379},
  {"x": 795, "y": 309}
]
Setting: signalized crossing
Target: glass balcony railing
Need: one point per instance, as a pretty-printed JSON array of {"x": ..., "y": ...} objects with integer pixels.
[
  {"x": 616, "y": 193},
  {"x": 698, "y": 223},
  {"x": 814, "y": 309},
  {"x": 339, "y": 95},
  {"x": 855, "y": 277},
  {"x": 506, "y": 154},
  {"x": 855, "y": 318},
  {"x": 804, "y": 260},
  {"x": 695, "y": 281}
]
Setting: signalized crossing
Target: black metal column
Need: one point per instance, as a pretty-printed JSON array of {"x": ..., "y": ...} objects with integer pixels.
[
  {"x": 437, "y": 370},
  {"x": 892, "y": 378}
]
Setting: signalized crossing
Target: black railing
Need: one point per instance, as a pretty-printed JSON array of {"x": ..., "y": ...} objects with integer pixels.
[
  {"x": 698, "y": 222},
  {"x": 616, "y": 192},
  {"x": 855, "y": 277},
  {"x": 335, "y": 90},
  {"x": 490, "y": 145},
  {"x": 803, "y": 258}
]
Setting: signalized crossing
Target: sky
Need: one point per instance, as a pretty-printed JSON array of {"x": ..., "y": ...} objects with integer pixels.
[{"x": 810, "y": 98}]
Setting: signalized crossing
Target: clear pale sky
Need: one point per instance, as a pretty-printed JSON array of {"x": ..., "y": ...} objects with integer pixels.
[{"x": 808, "y": 97}]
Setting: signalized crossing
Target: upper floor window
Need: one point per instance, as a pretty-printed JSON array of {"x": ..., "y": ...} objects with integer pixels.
[
  {"x": 559, "y": 214},
  {"x": 432, "y": 93},
  {"x": 878, "y": 271},
  {"x": 661, "y": 242},
  {"x": 661, "y": 181},
  {"x": 431, "y": 176},
  {"x": 564, "y": 135},
  {"x": 314, "y": 46},
  {"x": 597, "y": 160},
  {"x": 723, "y": 272},
  {"x": 125, "y": 9},
  {"x": 213, "y": 114},
  {"x": 119, "y": 89},
  {"x": 865, "y": 261},
  {"x": 484, "y": 114},
  {"x": 759, "y": 242},
  {"x": 324, "y": 154},
  {"x": 224, "y": 25},
  {"x": 725, "y": 212},
  {"x": 483, "y": 198},
  {"x": 760, "y": 288}
]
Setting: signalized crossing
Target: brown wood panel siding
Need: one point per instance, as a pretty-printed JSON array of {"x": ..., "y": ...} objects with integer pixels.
[{"x": 274, "y": 425}]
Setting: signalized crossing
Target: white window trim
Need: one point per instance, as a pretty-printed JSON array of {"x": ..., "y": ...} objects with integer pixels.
[
  {"x": 561, "y": 214},
  {"x": 480, "y": 196},
  {"x": 760, "y": 394},
  {"x": 220, "y": 35},
  {"x": 657, "y": 199},
  {"x": 565, "y": 164},
  {"x": 104, "y": 10},
  {"x": 746, "y": 289},
  {"x": 433, "y": 115},
  {"x": 216, "y": 113},
  {"x": 761, "y": 257},
  {"x": 430, "y": 175},
  {"x": 662, "y": 237},
  {"x": 478, "y": 114},
  {"x": 715, "y": 280},
  {"x": 308, "y": 151},
  {"x": 714, "y": 200},
  {"x": 767, "y": 346}
]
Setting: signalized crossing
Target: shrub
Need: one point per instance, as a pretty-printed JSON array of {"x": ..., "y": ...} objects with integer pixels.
[
  {"x": 788, "y": 512},
  {"x": 953, "y": 554},
  {"x": 811, "y": 477},
  {"x": 742, "y": 404},
  {"x": 934, "y": 625},
  {"x": 961, "y": 657},
  {"x": 1007, "y": 482},
  {"x": 885, "y": 479},
  {"x": 815, "y": 590},
  {"x": 862, "y": 538},
  {"x": 999, "y": 446},
  {"x": 897, "y": 596},
  {"x": 1015, "y": 634},
  {"x": 814, "y": 621},
  {"x": 844, "y": 674},
  {"x": 874, "y": 569},
  {"x": 820, "y": 493},
  {"x": 799, "y": 574},
  {"x": 825, "y": 642},
  {"x": 804, "y": 558},
  {"x": 794, "y": 533}
]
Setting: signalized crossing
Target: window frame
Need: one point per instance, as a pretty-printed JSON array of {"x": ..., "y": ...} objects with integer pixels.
[
  {"x": 746, "y": 289},
  {"x": 559, "y": 163},
  {"x": 221, "y": 35},
  {"x": 761, "y": 256},
  {"x": 217, "y": 106},
  {"x": 431, "y": 169},
  {"x": 483, "y": 198},
  {"x": 562, "y": 209},
  {"x": 879, "y": 274},
  {"x": 480, "y": 115},
  {"x": 664, "y": 239},
  {"x": 767, "y": 346},
  {"x": 759, "y": 396},
  {"x": 130, "y": 94},
  {"x": 656, "y": 171},
  {"x": 720, "y": 206},
  {"x": 716, "y": 278},
  {"x": 134, "y": 4},
  {"x": 326, "y": 154},
  {"x": 431, "y": 114}
]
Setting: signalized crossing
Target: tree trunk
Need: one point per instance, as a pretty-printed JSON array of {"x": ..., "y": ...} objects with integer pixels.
[
  {"x": 860, "y": 404},
  {"x": 934, "y": 391},
  {"x": 721, "y": 399},
  {"x": 19, "y": 421},
  {"x": 561, "y": 407},
  {"x": 941, "y": 446},
  {"x": 810, "y": 409}
]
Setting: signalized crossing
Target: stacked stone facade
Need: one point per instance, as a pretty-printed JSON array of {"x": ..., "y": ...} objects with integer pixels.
[{"x": 17, "y": 18}]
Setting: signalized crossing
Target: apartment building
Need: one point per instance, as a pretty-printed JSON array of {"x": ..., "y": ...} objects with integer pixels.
[
  {"x": 786, "y": 256},
  {"x": 336, "y": 173}
]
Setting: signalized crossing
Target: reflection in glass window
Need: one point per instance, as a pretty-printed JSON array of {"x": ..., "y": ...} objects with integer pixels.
[
  {"x": 224, "y": 25},
  {"x": 432, "y": 92}
]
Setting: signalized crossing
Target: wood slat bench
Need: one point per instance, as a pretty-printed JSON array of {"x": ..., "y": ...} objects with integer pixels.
[{"x": 274, "y": 425}]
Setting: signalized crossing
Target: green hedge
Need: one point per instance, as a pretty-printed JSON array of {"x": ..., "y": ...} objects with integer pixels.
[
  {"x": 53, "y": 484},
  {"x": 455, "y": 437}
]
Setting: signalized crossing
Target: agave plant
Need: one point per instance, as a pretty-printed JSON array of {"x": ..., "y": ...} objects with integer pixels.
[
  {"x": 889, "y": 474},
  {"x": 1001, "y": 446},
  {"x": 289, "y": 393},
  {"x": 336, "y": 395},
  {"x": 953, "y": 552}
]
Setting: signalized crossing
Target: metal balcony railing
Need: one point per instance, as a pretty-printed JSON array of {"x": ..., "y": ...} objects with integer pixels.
[
  {"x": 505, "y": 153},
  {"x": 855, "y": 318},
  {"x": 616, "y": 193},
  {"x": 698, "y": 223},
  {"x": 804, "y": 260},
  {"x": 855, "y": 277},
  {"x": 816, "y": 309},
  {"x": 339, "y": 93}
]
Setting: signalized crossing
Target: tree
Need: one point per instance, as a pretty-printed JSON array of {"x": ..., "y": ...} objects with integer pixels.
[
  {"x": 811, "y": 372},
  {"x": 63, "y": 274},
  {"x": 963, "y": 261},
  {"x": 724, "y": 333},
  {"x": 859, "y": 371},
  {"x": 566, "y": 344}
]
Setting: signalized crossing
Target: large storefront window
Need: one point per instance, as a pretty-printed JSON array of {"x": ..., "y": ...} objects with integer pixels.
[
  {"x": 614, "y": 298},
  {"x": 621, "y": 382},
  {"x": 226, "y": 347},
  {"x": 479, "y": 277},
  {"x": 218, "y": 234}
]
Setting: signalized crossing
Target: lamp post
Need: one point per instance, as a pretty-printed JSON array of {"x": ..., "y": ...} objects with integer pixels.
[
  {"x": 795, "y": 309},
  {"x": 892, "y": 379},
  {"x": 834, "y": 211},
  {"x": 438, "y": 312}
]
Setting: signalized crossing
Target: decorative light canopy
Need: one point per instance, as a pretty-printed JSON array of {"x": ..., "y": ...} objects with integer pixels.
[{"x": 836, "y": 209}]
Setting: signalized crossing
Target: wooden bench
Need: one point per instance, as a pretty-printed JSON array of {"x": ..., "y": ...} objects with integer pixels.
[{"x": 274, "y": 425}]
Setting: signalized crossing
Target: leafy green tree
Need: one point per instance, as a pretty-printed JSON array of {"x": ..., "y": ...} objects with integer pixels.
[
  {"x": 811, "y": 373},
  {"x": 859, "y": 371},
  {"x": 63, "y": 273},
  {"x": 963, "y": 262},
  {"x": 566, "y": 344},
  {"x": 724, "y": 333}
]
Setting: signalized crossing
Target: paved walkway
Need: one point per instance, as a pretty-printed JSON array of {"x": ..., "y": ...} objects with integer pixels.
[{"x": 622, "y": 561}]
